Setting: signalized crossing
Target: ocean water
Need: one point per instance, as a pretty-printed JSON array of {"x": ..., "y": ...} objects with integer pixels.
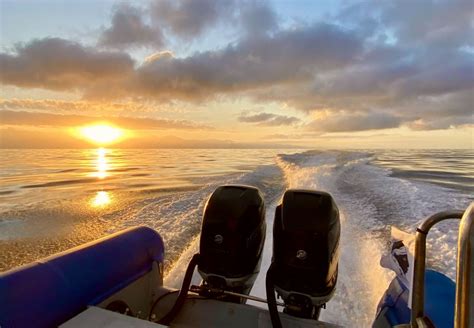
[{"x": 51, "y": 200}]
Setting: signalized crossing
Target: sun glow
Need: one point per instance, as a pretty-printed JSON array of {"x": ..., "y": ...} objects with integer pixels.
[{"x": 101, "y": 134}]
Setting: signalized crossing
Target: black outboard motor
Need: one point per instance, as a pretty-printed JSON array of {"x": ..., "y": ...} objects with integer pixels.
[
  {"x": 305, "y": 258},
  {"x": 232, "y": 238}
]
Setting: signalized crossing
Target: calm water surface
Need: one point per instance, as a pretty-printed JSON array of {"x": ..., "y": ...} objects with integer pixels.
[{"x": 51, "y": 200}]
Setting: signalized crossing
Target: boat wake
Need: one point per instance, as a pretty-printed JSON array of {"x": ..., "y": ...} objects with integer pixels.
[{"x": 370, "y": 201}]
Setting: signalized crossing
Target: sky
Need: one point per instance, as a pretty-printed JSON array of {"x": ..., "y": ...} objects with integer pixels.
[{"x": 205, "y": 73}]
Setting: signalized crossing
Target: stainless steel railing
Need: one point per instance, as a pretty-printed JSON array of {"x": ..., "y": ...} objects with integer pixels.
[
  {"x": 465, "y": 263},
  {"x": 464, "y": 315}
]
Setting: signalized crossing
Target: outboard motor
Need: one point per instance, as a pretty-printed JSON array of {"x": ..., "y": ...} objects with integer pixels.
[
  {"x": 305, "y": 258},
  {"x": 232, "y": 238}
]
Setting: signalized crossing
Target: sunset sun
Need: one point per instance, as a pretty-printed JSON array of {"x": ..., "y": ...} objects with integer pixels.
[{"x": 101, "y": 134}]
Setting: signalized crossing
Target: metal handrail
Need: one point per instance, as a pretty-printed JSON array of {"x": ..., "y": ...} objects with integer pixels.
[
  {"x": 464, "y": 315},
  {"x": 418, "y": 293}
]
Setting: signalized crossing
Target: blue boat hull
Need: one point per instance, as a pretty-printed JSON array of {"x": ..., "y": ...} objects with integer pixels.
[
  {"x": 53, "y": 290},
  {"x": 440, "y": 292}
]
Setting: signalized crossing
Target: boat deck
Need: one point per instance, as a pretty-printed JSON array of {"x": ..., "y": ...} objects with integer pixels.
[{"x": 196, "y": 312}]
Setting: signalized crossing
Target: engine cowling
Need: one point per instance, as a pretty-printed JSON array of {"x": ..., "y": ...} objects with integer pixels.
[
  {"x": 232, "y": 238},
  {"x": 306, "y": 235}
]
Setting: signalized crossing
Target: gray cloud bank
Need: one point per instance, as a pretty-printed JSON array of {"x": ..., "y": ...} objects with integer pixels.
[
  {"x": 382, "y": 65},
  {"x": 268, "y": 119},
  {"x": 355, "y": 122},
  {"x": 59, "y": 64},
  {"x": 128, "y": 29},
  {"x": 190, "y": 18}
]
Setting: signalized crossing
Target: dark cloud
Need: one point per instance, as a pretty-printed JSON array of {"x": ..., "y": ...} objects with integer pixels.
[
  {"x": 440, "y": 112},
  {"x": 455, "y": 75},
  {"x": 344, "y": 122},
  {"x": 59, "y": 64},
  {"x": 384, "y": 84},
  {"x": 268, "y": 119},
  {"x": 258, "y": 19},
  {"x": 443, "y": 23},
  {"x": 189, "y": 18},
  {"x": 8, "y": 117},
  {"x": 128, "y": 29},
  {"x": 286, "y": 57},
  {"x": 416, "y": 71},
  {"x": 452, "y": 104}
]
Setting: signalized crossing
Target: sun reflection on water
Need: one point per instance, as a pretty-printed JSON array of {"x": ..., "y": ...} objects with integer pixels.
[
  {"x": 102, "y": 165},
  {"x": 101, "y": 199}
]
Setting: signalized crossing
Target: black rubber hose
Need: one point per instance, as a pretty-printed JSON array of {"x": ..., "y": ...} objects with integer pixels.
[
  {"x": 271, "y": 299},
  {"x": 158, "y": 300},
  {"x": 168, "y": 318}
]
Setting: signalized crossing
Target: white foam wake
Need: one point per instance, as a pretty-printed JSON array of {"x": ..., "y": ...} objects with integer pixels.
[
  {"x": 370, "y": 201},
  {"x": 361, "y": 281}
]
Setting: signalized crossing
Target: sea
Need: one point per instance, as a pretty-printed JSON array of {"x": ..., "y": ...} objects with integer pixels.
[{"x": 52, "y": 200}]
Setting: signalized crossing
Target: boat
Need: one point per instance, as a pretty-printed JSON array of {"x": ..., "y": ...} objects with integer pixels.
[{"x": 117, "y": 281}]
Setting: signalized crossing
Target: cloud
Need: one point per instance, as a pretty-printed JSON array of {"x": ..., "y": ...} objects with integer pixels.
[
  {"x": 441, "y": 112},
  {"x": 57, "y": 105},
  {"x": 258, "y": 19},
  {"x": 286, "y": 57},
  {"x": 128, "y": 29},
  {"x": 344, "y": 122},
  {"x": 383, "y": 84},
  {"x": 268, "y": 119},
  {"x": 445, "y": 23},
  {"x": 85, "y": 106},
  {"x": 455, "y": 75},
  {"x": 189, "y": 18},
  {"x": 441, "y": 23},
  {"x": 59, "y": 64},
  {"x": 8, "y": 117}
]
